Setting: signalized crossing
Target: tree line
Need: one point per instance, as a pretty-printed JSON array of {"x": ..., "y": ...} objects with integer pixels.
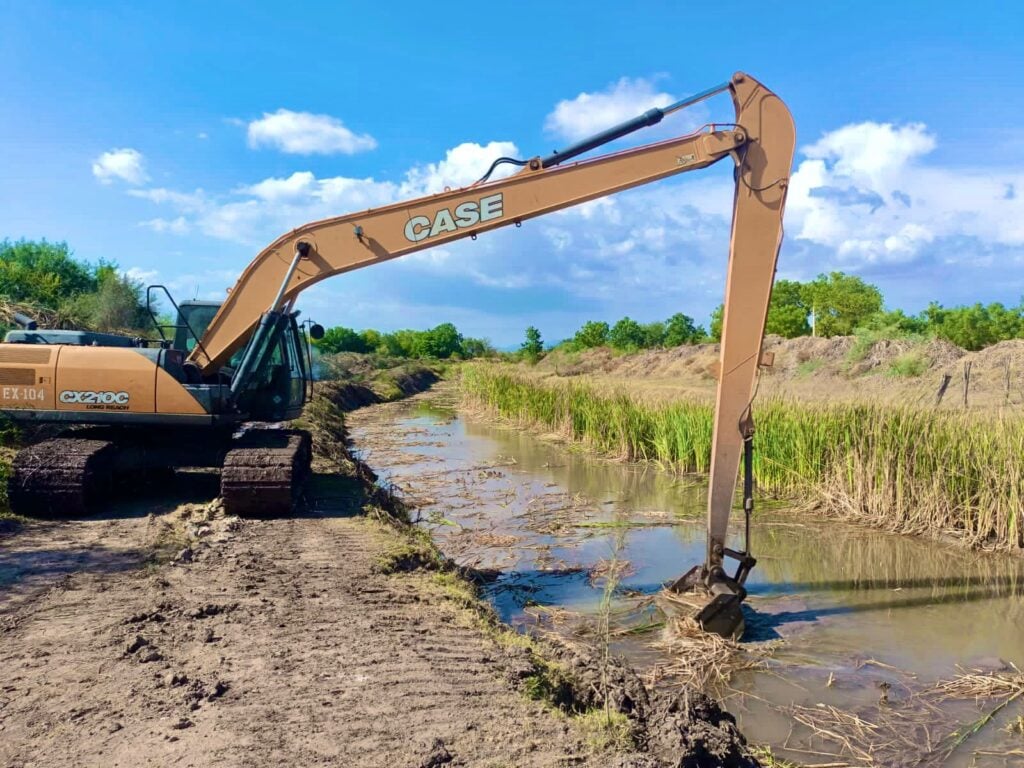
[
  {"x": 46, "y": 279},
  {"x": 835, "y": 304},
  {"x": 443, "y": 341}
]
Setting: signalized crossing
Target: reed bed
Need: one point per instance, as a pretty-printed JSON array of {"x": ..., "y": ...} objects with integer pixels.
[
  {"x": 907, "y": 469},
  {"x": 917, "y": 729}
]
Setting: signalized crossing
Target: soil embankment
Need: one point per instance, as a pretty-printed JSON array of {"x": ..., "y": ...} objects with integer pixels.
[{"x": 845, "y": 368}]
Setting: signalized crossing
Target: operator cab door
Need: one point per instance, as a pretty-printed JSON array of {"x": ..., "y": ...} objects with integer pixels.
[{"x": 277, "y": 390}]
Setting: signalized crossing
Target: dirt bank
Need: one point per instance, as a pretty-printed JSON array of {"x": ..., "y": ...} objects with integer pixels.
[{"x": 841, "y": 368}]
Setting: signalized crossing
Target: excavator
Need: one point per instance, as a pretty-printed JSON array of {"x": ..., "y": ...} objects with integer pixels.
[{"x": 217, "y": 388}]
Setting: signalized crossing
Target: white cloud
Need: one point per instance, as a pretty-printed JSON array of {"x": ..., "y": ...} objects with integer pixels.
[
  {"x": 304, "y": 133},
  {"x": 188, "y": 202},
  {"x": 176, "y": 226},
  {"x": 203, "y": 135},
  {"x": 462, "y": 165},
  {"x": 146, "y": 276},
  {"x": 868, "y": 193},
  {"x": 259, "y": 212},
  {"x": 588, "y": 113},
  {"x": 124, "y": 164}
]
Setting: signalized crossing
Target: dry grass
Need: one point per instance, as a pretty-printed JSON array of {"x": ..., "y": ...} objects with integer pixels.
[
  {"x": 701, "y": 659},
  {"x": 916, "y": 728},
  {"x": 981, "y": 684}
]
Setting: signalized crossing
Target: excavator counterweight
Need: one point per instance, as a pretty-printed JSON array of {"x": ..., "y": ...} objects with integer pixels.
[{"x": 212, "y": 393}]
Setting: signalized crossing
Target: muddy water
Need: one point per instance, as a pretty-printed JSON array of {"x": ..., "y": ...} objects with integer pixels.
[{"x": 861, "y": 625}]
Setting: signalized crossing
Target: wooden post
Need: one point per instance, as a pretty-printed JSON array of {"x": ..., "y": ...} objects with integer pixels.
[
  {"x": 967, "y": 380},
  {"x": 946, "y": 378},
  {"x": 1006, "y": 395}
]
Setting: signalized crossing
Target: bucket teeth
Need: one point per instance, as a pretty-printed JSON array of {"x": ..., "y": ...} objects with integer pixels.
[
  {"x": 264, "y": 472},
  {"x": 61, "y": 477}
]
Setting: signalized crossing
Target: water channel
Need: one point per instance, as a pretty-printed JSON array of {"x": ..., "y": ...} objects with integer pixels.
[{"x": 853, "y": 628}]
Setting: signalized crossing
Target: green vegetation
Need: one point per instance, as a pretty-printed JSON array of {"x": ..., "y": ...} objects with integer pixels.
[
  {"x": 910, "y": 365},
  {"x": 441, "y": 342},
  {"x": 533, "y": 347},
  {"x": 916, "y": 471},
  {"x": 627, "y": 335},
  {"x": 839, "y": 305},
  {"x": 46, "y": 281},
  {"x": 808, "y": 367},
  {"x": 10, "y": 436}
]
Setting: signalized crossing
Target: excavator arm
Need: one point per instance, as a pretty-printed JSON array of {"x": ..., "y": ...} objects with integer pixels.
[{"x": 761, "y": 143}]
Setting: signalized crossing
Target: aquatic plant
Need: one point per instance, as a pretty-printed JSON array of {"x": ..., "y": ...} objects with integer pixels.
[{"x": 902, "y": 468}]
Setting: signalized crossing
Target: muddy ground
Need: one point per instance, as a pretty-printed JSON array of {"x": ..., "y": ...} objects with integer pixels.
[
  {"x": 278, "y": 644},
  {"x": 160, "y": 632}
]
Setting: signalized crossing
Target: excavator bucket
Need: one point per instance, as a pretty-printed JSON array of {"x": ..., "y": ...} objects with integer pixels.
[{"x": 723, "y": 614}]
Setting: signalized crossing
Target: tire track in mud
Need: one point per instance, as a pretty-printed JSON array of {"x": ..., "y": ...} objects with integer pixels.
[{"x": 279, "y": 645}]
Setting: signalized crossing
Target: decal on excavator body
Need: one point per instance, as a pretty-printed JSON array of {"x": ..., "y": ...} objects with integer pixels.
[
  {"x": 466, "y": 214},
  {"x": 23, "y": 393},
  {"x": 108, "y": 401}
]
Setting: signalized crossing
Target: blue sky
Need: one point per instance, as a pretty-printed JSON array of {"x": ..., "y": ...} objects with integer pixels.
[{"x": 179, "y": 138}]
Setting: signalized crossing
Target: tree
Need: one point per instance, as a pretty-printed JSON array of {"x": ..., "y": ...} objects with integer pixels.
[
  {"x": 115, "y": 305},
  {"x": 442, "y": 342},
  {"x": 841, "y": 302},
  {"x": 340, "y": 339},
  {"x": 975, "y": 326},
  {"x": 372, "y": 339},
  {"x": 592, "y": 334},
  {"x": 533, "y": 347},
  {"x": 717, "y": 316},
  {"x": 626, "y": 334},
  {"x": 788, "y": 310},
  {"x": 477, "y": 348},
  {"x": 653, "y": 334},
  {"x": 680, "y": 330},
  {"x": 43, "y": 273},
  {"x": 894, "y": 324}
]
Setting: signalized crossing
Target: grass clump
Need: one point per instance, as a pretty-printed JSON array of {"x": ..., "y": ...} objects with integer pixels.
[
  {"x": 413, "y": 551},
  {"x": 606, "y": 731},
  {"x": 767, "y": 759},
  {"x": 910, "y": 365},
  {"x": 808, "y": 367},
  {"x": 905, "y": 469}
]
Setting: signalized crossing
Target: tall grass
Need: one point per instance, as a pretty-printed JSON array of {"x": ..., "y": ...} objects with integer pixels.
[{"x": 905, "y": 469}]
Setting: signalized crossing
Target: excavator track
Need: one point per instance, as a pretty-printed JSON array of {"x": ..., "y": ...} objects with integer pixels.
[
  {"x": 61, "y": 477},
  {"x": 264, "y": 471}
]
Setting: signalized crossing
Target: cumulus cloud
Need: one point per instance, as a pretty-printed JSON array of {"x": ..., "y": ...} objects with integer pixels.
[
  {"x": 588, "y": 113},
  {"x": 259, "y": 212},
  {"x": 305, "y": 133},
  {"x": 462, "y": 165},
  {"x": 868, "y": 194},
  {"x": 125, "y": 164}
]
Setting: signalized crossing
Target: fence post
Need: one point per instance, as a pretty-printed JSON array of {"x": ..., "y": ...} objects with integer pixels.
[
  {"x": 967, "y": 379},
  {"x": 946, "y": 378}
]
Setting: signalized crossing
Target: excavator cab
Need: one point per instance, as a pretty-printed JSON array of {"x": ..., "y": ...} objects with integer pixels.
[{"x": 275, "y": 384}]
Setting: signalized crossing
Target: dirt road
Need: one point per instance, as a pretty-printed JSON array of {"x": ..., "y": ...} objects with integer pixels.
[{"x": 269, "y": 643}]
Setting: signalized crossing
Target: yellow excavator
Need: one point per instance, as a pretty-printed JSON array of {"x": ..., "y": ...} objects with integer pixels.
[{"x": 214, "y": 389}]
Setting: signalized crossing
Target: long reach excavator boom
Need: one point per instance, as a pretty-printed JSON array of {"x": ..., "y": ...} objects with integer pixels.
[{"x": 243, "y": 363}]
